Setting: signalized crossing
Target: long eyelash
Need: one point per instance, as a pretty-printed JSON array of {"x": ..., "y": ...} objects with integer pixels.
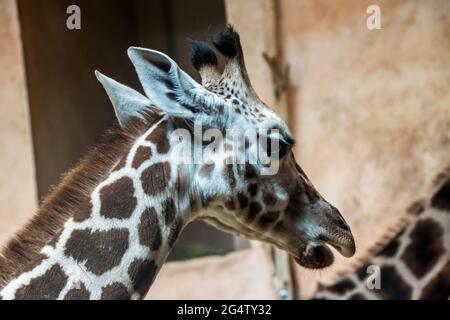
[{"x": 289, "y": 140}]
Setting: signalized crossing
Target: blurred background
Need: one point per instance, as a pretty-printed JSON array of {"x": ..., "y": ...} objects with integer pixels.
[{"x": 370, "y": 109}]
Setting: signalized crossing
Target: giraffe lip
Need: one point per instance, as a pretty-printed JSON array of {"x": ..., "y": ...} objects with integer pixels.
[
  {"x": 342, "y": 241},
  {"x": 315, "y": 256}
]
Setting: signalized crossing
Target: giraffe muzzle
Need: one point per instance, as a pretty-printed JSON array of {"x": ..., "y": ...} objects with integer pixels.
[{"x": 342, "y": 241}]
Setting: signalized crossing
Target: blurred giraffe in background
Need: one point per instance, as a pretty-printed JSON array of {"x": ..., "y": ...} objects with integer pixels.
[{"x": 415, "y": 264}]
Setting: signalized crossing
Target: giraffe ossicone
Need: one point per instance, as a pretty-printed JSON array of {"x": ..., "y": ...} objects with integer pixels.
[{"x": 108, "y": 227}]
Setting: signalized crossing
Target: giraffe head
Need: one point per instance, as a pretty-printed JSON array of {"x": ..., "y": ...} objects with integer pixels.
[{"x": 232, "y": 153}]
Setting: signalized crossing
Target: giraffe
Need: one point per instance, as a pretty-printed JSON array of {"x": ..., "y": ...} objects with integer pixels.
[
  {"x": 414, "y": 264},
  {"x": 108, "y": 227}
]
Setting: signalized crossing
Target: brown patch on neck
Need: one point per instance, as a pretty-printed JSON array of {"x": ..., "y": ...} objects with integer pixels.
[
  {"x": 117, "y": 199},
  {"x": 425, "y": 249},
  {"x": 439, "y": 286},
  {"x": 67, "y": 198},
  {"x": 159, "y": 137},
  {"x": 46, "y": 287},
  {"x": 441, "y": 199}
]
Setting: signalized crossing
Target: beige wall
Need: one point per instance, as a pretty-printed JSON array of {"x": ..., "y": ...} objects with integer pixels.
[
  {"x": 372, "y": 108},
  {"x": 17, "y": 183},
  {"x": 245, "y": 274}
]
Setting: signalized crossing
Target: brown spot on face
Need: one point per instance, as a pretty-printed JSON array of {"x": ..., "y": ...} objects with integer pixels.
[
  {"x": 439, "y": 287},
  {"x": 230, "y": 205},
  {"x": 206, "y": 170},
  {"x": 181, "y": 183},
  {"x": 253, "y": 189},
  {"x": 117, "y": 199},
  {"x": 269, "y": 198},
  {"x": 342, "y": 286},
  {"x": 46, "y": 287},
  {"x": 142, "y": 273},
  {"x": 159, "y": 137},
  {"x": 79, "y": 293},
  {"x": 254, "y": 209},
  {"x": 155, "y": 178},
  {"x": 441, "y": 200},
  {"x": 142, "y": 154},
  {"x": 229, "y": 175},
  {"x": 425, "y": 248},
  {"x": 149, "y": 230},
  {"x": 243, "y": 200},
  {"x": 250, "y": 171},
  {"x": 115, "y": 291},
  {"x": 84, "y": 212},
  {"x": 269, "y": 217},
  {"x": 168, "y": 211},
  {"x": 393, "y": 287},
  {"x": 99, "y": 250}
]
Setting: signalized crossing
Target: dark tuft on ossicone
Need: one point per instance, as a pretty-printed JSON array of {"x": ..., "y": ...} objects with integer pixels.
[
  {"x": 228, "y": 42},
  {"x": 202, "y": 55}
]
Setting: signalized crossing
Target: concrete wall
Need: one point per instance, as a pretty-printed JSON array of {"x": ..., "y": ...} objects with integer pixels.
[
  {"x": 17, "y": 182},
  {"x": 371, "y": 107}
]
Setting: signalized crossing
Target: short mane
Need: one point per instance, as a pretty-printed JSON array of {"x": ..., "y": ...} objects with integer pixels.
[{"x": 74, "y": 188}]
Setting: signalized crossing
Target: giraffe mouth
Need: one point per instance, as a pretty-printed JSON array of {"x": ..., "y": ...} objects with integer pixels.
[
  {"x": 318, "y": 255},
  {"x": 315, "y": 256},
  {"x": 343, "y": 242}
]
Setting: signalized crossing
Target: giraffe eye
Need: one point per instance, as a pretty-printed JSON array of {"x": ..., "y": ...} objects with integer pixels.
[{"x": 283, "y": 149}]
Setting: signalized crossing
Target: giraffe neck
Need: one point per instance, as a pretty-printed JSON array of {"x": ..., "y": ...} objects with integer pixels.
[
  {"x": 118, "y": 238},
  {"x": 415, "y": 264}
]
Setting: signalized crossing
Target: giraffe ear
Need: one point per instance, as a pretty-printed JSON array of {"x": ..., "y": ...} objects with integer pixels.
[
  {"x": 169, "y": 87},
  {"x": 127, "y": 102}
]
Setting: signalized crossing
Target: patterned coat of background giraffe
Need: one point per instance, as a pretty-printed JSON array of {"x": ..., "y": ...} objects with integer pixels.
[
  {"x": 106, "y": 230},
  {"x": 414, "y": 264}
]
